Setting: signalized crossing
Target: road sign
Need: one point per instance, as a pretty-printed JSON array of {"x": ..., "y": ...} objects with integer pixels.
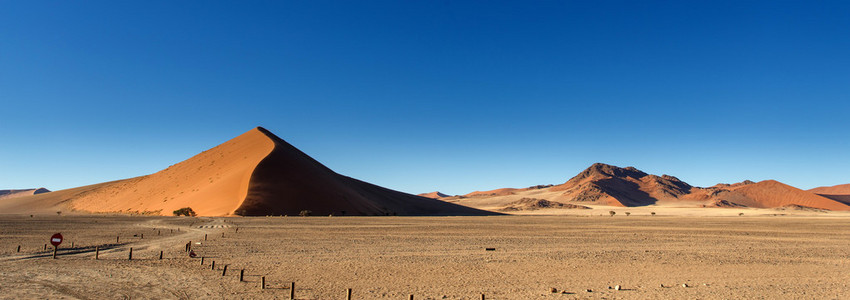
[{"x": 56, "y": 239}]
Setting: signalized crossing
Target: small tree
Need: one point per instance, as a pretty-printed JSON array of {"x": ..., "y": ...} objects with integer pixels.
[
  {"x": 740, "y": 214},
  {"x": 305, "y": 213},
  {"x": 652, "y": 213},
  {"x": 59, "y": 213},
  {"x": 186, "y": 211},
  {"x": 628, "y": 214},
  {"x": 612, "y": 213}
]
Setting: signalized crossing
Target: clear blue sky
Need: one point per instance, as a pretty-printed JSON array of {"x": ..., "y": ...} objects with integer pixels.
[{"x": 430, "y": 95}]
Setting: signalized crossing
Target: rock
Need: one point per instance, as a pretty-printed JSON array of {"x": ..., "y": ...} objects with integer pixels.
[
  {"x": 684, "y": 285},
  {"x": 617, "y": 287},
  {"x": 588, "y": 290},
  {"x": 553, "y": 290}
]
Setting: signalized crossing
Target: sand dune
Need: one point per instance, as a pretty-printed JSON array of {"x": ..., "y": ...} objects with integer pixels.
[
  {"x": 840, "y": 193},
  {"x": 496, "y": 192},
  {"x": 841, "y": 189},
  {"x": 256, "y": 173},
  {"x": 612, "y": 186},
  {"x": 434, "y": 195},
  {"x": 772, "y": 193},
  {"x": 8, "y": 194}
]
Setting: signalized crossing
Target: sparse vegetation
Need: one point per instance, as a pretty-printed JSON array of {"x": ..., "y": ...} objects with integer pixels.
[
  {"x": 305, "y": 213},
  {"x": 740, "y": 214},
  {"x": 628, "y": 214},
  {"x": 612, "y": 213},
  {"x": 59, "y": 213},
  {"x": 186, "y": 211},
  {"x": 652, "y": 213}
]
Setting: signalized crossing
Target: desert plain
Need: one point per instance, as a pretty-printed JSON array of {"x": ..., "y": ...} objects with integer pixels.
[{"x": 685, "y": 254}]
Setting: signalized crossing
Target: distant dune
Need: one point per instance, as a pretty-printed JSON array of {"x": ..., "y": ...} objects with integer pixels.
[
  {"x": 840, "y": 193},
  {"x": 256, "y": 173},
  {"x": 608, "y": 185},
  {"x": 841, "y": 189},
  {"x": 434, "y": 195},
  {"x": 496, "y": 192},
  {"x": 9, "y": 194}
]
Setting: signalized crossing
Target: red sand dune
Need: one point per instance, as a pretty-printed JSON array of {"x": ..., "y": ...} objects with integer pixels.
[
  {"x": 256, "y": 173},
  {"x": 434, "y": 195},
  {"x": 840, "y": 193},
  {"x": 841, "y": 189},
  {"x": 772, "y": 193},
  {"x": 604, "y": 184}
]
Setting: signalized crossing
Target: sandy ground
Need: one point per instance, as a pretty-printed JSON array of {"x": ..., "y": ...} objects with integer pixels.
[{"x": 753, "y": 256}]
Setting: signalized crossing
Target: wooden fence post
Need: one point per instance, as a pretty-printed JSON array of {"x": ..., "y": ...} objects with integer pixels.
[
  {"x": 19, "y": 248},
  {"x": 213, "y": 266},
  {"x": 55, "y": 248},
  {"x": 202, "y": 260},
  {"x": 349, "y": 295},
  {"x": 224, "y": 271},
  {"x": 205, "y": 236},
  {"x": 263, "y": 282},
  {"x": 242, "y": 275},
  {"x": 160, "y": 254},
  {"x": 131, "y": 254},
  {"x": 292, "y": 290},
  {"x": 117, "y": 238},
  {"x": 96, "y": 252}
]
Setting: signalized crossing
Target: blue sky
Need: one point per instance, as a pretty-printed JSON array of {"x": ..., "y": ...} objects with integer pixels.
[{"x": 430, "y": 95}]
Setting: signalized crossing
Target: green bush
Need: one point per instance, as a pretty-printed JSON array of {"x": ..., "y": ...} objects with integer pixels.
[{"x": 186, "y": 211}]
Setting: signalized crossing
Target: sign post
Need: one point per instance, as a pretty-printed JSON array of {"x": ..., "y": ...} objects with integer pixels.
[{"x": 55, "y": 240}]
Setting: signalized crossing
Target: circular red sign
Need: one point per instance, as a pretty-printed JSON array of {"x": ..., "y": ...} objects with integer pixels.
[{"x": 56, "y": 239}]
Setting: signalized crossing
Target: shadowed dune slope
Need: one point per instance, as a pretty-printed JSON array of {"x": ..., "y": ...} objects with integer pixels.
[
  {"x": 256, "y": 173},
  {"x": 288, "y": 181}
]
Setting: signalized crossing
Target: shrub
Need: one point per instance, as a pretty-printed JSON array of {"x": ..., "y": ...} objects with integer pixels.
[
  {"x": 186, "y": 211},
  {"x": 628, "y": 214},
  {"x": 652, "y": 213},
  {"x": 612, "y": 213},
  {"x": 305, "y": 213}
]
